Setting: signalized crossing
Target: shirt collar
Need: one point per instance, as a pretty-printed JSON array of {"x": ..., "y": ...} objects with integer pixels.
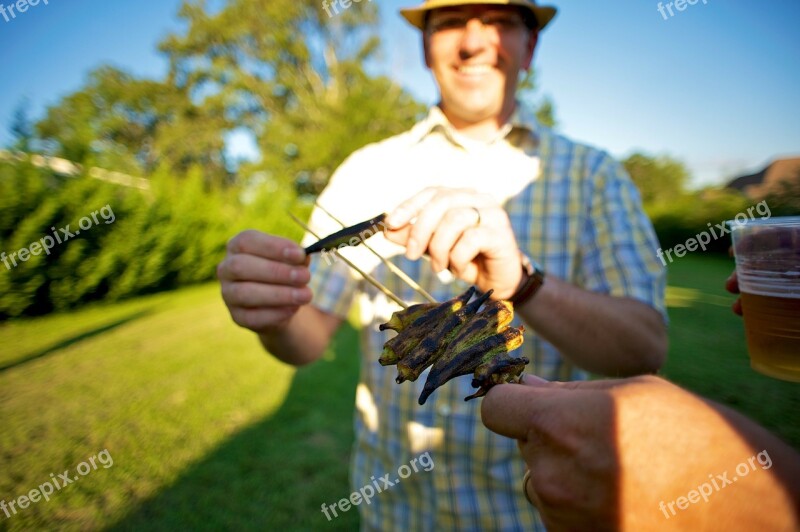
[{"x": 522, "y": 118}]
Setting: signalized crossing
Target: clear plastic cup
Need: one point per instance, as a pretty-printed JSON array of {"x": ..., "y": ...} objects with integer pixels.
[{"x": 768, "y": 268}]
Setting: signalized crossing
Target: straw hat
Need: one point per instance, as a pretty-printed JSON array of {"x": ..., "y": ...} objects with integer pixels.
[{"x": 416, "y": 15}]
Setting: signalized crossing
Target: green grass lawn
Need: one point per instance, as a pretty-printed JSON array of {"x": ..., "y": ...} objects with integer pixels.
[{"x": 206, "y": 431}]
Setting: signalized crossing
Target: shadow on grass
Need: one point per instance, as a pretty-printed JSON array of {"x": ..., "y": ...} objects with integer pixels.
[
  {"x": 63, "y": 344},
  {"x": 277, "y": 473}
]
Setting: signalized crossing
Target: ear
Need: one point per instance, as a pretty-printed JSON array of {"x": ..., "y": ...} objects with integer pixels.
[{"x": 533, "y": 39}]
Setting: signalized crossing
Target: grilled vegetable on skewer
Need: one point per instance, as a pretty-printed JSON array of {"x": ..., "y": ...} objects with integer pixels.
[
  {"x": 435, "y": 341},
  {"x": 403, "y": 318},
  {"x": 476, "y": 342},
  {"x": 367, "y": 277},
  {"x": 394, "y": 269},
  {"x": 349, "y": 236},
  {"x": 395, "y": 348},
  {"x": 493, "y": 317},
  {"x": 469, "y": 339},
  {"x": 500, "y": 369}
]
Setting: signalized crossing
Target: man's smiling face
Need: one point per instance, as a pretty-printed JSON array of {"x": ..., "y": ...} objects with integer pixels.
[{"x": 476, "y": 53}]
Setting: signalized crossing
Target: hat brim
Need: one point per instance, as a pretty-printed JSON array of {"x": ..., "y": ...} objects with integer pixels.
[{"x": 416, "y": 15}]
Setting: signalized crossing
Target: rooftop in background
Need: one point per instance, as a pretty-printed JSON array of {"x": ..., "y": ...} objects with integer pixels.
[{"x": 769, "y": 179}]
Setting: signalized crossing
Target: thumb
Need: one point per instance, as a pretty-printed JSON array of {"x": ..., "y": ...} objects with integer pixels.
[
  {"x": 508, "y": 409},
  {"x": 601, "y": 384},
  {"x": 532, "y": 380}
]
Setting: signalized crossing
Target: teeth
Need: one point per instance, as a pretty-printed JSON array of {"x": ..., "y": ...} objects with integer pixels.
[{"x": 474, "y": 69}]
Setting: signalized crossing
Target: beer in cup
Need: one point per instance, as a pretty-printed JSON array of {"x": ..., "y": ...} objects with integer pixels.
[{"x": 768, "y": 268}]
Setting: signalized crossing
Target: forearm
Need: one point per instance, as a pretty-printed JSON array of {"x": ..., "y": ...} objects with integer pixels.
[
  {"x": 600, "y": 333},
  {"x": 689, "y": 463},
  {"x": 747, "y": 477},
  {"x": 304, "y": 339},
  {"x": 776, "y": 492}
]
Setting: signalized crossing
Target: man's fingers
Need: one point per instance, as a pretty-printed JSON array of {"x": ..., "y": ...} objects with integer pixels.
[
  {"x": 398, "y": 236},
  {"x": 241, "y": 267},
  {"x": 600, "y": 384},
  {"x": 485, "y": 252},
  {"x": 533, "y": 381},
  {"x": 428, "y": 222},
  {"x": 469, "y": 246},
  {"x": 578, "y": 386},
  {"x": 441, "y": 216},
  {"x": 258, "y": 295},
  {"x": 260, "y": 319},
  {"x": 509, "y": 409},
  {"x": 732, "y": 284},
  {"x": 455, "y": 223},
  {"x": 406, "y": 211},
  {"x": 267, "y": 246},
  {"x": 449, "y": 211},
  {"x": 513, "y": 410},
  {"x": 737, "y": 307}
]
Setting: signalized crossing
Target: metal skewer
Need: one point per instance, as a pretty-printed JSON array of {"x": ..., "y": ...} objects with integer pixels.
[
  {"x": 370, "y": 279},
  {"x": 397, "y": 271}
]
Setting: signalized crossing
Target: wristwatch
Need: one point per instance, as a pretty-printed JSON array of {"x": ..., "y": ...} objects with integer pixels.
[{"x": 533, "y": 279}]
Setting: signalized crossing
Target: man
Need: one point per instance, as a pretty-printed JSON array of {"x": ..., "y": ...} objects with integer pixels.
[{"x": 480, "y": 188}]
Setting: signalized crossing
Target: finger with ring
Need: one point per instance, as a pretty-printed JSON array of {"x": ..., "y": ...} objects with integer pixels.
[
  {"x": 525, "y": 480},
  {"x": 478, "y": 221}
]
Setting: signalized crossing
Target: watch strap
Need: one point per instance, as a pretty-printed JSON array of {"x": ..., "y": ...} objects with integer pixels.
[{"x": 533, "y": 280}]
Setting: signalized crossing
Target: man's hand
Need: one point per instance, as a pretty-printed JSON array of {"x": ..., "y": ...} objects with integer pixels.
[
  {"x": 732, "y": 286},
  {"x": 603, "y": 334},
  {"x": 263, "y": 280},
  {"x": 614, "y": 455},
  {"x": 463, "y": 231}
]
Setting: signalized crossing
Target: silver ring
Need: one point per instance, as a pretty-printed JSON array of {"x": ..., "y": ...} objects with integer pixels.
[
  {"x": 525, "y": 480},
  {"x": 477, "y": 223}
]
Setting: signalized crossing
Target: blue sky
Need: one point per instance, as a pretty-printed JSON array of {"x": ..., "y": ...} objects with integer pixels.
[{"x": 715, "y": 85}]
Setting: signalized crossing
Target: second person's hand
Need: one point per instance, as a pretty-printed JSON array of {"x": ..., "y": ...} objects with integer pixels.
[
  {"x": 732, "y": 286},
  {"x": 617, "y": 454}
]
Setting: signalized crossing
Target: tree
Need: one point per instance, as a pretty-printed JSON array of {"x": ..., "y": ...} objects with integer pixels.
[
  {"x": 135, "y": 125},
  {"x": 22, "y": 128},
  {"x": 659, "y": 179},
  {"x": 543, "y": 107},
  {"x": 294, "y": 77}
]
